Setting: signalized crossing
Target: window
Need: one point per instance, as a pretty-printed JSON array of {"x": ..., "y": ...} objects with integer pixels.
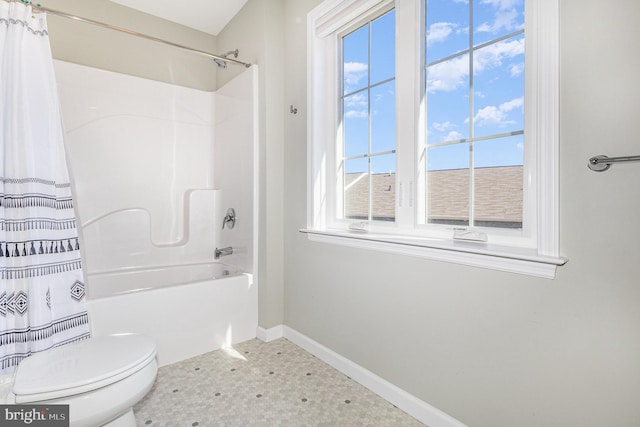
[
  {"x": 439, "y": 140},
  {"x": 474, "y": 92},
  {"x": 368, "y": 149}
]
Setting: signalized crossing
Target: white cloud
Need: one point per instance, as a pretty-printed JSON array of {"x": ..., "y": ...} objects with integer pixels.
[
  {"x": 493, "y": 55},
  {"x": 356, "y": 114},
  {"x": 441, "y": 127},
  {"x": 453, "y": 136},
  {"x": 439, "y": 32},
  {"x": 354, "y": 72},
  {"x": 356, "y": 100},
  {"x": 502, "y": 4},
  {"x": 497, "y": 116},
  {"x": 517, "y": 69},
  {"x": 489, "y": 115},
  {"x": 513, "y": 104},
  {"x": 356, "y": 106},
  {"x": 448, "y": 76},
  {"x": 505, "y": 18},
  {"x": 453, "y": 74}
]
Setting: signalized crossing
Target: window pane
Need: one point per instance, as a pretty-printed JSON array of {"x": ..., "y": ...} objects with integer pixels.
[
  {"x": 454, "y": 156},
  {"x": 498, "y": 197},
  {"x": 369, "y": 120},
  {"x": 356, "y": 124},
  {"x": 499, "y": 88},
  {"x": 383, "y": 188},
  {"x": 356, "y": 189},
  {"x": 383, "y": 117},
  {"x": 448, "y": 185},
  {"x": 383, "y": 51},
  {"x": 356, "y": 60},
  {"x": 498, "y": 182},
  {"x": 489, "y": 105},
  {"x": 508, "y": 151},
  {"x": 447, "y": 28},
  {"x": 494, "y": 19},
  {"x": 448, "y": 100}
]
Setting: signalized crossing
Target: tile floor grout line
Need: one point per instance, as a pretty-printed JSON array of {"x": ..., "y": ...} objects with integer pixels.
[{"x": 262, "y": 384}]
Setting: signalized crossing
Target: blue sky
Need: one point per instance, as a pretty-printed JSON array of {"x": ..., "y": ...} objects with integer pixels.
[
  {"x": 359, "y": 69},
  {"x": 498, "y": 86}
]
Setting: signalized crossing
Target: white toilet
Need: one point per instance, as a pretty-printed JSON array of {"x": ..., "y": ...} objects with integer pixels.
[{"x": 99, "y": 378}]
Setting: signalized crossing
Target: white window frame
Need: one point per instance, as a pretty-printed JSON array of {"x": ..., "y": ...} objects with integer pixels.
[{"x": 533, "y": 252}]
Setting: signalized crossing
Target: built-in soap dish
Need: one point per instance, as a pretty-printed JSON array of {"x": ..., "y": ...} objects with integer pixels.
[
  {"x": 359, "y": 227},
  {"x": 469, "y": 235}
]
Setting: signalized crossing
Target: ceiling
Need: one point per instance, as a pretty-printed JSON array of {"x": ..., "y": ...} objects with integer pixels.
[{"x": 209, "y": 16}]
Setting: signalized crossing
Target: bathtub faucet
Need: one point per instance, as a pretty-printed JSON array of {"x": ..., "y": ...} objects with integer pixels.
[{"x": 223, "y": 252}]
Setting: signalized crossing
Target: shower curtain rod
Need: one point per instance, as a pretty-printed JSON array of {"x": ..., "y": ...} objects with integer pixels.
[{"x": 41, "y": 8}]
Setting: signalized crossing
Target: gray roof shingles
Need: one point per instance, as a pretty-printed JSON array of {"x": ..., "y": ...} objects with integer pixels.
[{"x": 498, "y": 195}]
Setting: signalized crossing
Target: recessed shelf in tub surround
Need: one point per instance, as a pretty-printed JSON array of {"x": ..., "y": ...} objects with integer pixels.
[{"x": 124, "y": 239}]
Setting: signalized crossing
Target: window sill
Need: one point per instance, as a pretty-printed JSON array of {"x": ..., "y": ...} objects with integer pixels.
[{"x": 484, "y": 255}]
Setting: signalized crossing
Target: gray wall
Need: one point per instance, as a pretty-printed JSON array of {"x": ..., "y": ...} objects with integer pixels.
[
  {"x": 97, "y": 47},
  {"x": 492, "y": 348}
]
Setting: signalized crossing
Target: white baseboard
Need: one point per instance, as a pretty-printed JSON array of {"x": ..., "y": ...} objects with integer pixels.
[
  {"x": 413, "y": 406},
  {"x": 267, "y": 335}
]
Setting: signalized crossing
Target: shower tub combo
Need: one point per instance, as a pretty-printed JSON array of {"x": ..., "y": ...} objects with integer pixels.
[{"x": 157, "y": 168}]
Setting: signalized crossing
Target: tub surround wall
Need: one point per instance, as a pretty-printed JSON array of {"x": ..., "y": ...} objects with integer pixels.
[
  {"x": 235, "y": 165},
  {"x": 141, "y": 153},
  {"x": 142, "y": 156}
]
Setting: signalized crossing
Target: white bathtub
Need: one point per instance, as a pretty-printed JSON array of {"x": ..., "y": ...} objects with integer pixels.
[
  {"x": 213, "y": 306},
  {"x": 124, "y": 281}
]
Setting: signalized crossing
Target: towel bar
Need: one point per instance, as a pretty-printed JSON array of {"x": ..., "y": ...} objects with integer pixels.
[{"x": 602, "y": 163}]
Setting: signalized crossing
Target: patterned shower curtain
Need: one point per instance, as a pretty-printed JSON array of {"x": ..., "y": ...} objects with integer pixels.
[{"x": 41, "y": 282}]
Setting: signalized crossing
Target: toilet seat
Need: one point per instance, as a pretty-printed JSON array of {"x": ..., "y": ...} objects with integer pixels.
[{"x": 81, "y": 367}]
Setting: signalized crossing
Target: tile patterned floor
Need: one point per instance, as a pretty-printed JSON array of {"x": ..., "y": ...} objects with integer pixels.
[{"x": 262, "y": 384}]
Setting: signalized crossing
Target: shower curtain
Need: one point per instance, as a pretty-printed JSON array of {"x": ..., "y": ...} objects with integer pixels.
[{"x": 41, "y": 282}]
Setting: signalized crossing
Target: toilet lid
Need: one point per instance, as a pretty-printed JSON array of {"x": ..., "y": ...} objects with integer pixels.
[{"x": 84, "y": 365}]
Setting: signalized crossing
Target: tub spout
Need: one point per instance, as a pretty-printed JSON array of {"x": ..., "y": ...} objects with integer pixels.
[{"x": 220, "y": 252}]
